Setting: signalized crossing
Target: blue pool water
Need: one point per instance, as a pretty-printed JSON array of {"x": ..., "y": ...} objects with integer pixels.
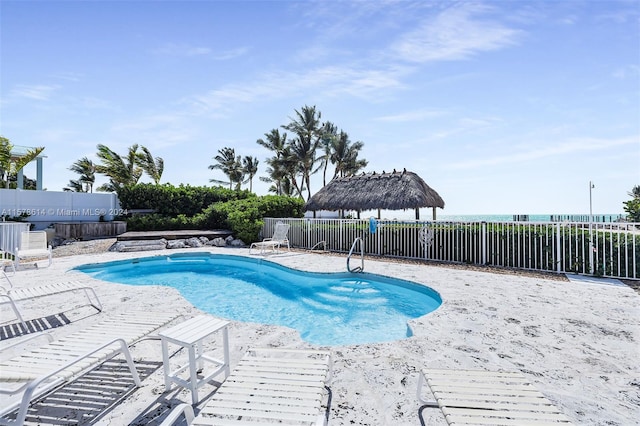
[{"x": 327, "y": 309}]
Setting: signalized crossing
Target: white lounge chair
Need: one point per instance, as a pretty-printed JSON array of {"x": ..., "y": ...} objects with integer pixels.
[
  {"x": 488, "y": 397},
  {"x": 278, "y": 239},
  {"x": 268, "y": 386},
  {"x": 10, "y": 294},
  {"x": 33, "y": 244},
  {"x": 35, "y": 372}
]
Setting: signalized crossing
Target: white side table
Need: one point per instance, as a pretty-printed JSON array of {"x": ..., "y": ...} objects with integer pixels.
[{"x": 190, "y": 335}]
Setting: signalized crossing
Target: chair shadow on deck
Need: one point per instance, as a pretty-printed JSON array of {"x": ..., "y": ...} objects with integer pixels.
[
  {"x": 38, "y": 325},
  {"x": 88, "y": 399}
]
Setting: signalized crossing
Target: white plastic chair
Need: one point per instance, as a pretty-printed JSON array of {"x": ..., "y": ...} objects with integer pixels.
[
  {"x": 278, "y": 239},
  {"x": 33, "y": 244}
]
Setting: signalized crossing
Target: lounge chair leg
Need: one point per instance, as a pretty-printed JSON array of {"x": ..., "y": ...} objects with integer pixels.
[
  {"x": 423, "y": 401},
  {"x": 124, "y": 349}
]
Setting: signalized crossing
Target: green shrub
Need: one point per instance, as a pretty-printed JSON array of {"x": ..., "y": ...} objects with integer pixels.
[
  {"x": 169, "y": 200},
  {"x": 242, "y": 216},
  {"x": 156, "y": 222}
]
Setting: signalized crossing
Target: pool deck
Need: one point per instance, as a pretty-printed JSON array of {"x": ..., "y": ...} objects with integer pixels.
[{"x": 578, "y": 343}]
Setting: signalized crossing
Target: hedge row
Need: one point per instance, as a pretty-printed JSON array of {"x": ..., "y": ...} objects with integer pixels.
[
  {"x": 239, "y": 211},
  {"x": 173, "y": 201}
]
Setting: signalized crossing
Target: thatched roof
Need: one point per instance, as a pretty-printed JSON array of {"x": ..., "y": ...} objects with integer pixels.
[{"x": 388, "y": 191}]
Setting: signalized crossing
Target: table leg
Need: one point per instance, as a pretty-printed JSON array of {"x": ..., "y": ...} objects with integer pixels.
[
  {"x": 193, "y": 374},
  {"x": 165, "y": 363},
  {"x": 225, "y": 344}
]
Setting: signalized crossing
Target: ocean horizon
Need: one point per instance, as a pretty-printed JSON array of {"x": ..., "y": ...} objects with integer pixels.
[
  {"x": 425, "y": 214},
  {"x": 532, "y": 217}
]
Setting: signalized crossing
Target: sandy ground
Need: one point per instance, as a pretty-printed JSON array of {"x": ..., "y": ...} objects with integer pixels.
[{"x": 579, "y": 343}]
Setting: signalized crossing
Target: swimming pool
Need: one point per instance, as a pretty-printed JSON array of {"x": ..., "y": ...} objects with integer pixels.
[{"x": 326, "y": 308}]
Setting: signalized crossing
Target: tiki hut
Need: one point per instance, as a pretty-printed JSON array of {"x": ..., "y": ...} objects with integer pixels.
[{"x": 389, "y": 191}]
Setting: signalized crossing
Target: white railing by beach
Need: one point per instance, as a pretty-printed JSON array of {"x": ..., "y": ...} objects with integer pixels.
[
  {"x": 600, "y": 249},
  {"x": 10, "y": 237}
]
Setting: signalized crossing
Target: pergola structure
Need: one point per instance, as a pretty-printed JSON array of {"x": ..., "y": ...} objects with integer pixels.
[
  {"x": 19, "y": 152},
  {"x": 389, "y": 191}
]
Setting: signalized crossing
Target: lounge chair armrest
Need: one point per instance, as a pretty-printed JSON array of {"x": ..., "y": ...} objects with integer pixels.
[
  {"x": 6, "y": 277},
  {"x": 177, "y": 411}
]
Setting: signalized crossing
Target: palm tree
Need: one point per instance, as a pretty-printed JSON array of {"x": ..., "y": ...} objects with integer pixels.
[
  {"x": 276, "y": 143},
  {"x": 306, "y": 127},
  {"x": 230, "y": 166},
  {"x": 250, "y": 168},
  {"x": 153, "y": 167},
  {"x": 635, "y": 192},
  {"x": 344, "y": 156},
  {"x": 87, "y": 171},
  {"x": 121, "y": 171},
  {"x": 329, "y": 133},
  {"x": 12, "y": 165},
  {"x": 74, "y": 186}
]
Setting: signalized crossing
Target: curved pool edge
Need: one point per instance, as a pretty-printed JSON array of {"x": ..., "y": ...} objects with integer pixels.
[{"x": 282, "y": 263}]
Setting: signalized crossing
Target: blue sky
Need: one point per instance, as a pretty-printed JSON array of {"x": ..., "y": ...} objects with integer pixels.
[{"x": 502, "y": 107}]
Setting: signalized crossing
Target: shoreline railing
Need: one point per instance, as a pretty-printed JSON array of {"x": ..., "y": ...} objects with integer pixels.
[{"x": 599, "y": 249}]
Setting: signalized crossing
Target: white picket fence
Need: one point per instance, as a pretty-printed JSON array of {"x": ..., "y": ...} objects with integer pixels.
[{"x": 601, "y": 249}]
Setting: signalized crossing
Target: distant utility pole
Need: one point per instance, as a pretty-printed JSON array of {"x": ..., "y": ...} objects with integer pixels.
[
  {"x": 591, "y": 186},
  {"x": 591, "y": 266}
]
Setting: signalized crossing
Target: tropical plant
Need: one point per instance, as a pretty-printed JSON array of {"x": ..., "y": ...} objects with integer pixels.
[
  {"x": 632, "y": 207},
  {"x": 11, "y": 165},
  {"x": 313, "y": 148},
  {"x": 230, "y": 165},
  {"x": 121, "y": 171},
  {"x": 327, "y": 140},
  {"x": 74, "y": 186},
  {"x": 169, "y": 200},
  {"x": 307, "y": 128},
  {"x": 344, "y": 156},
  {"x": 250, "y": 168},
  {"x": 87, "y": 171},
  {"x": 153, "y": 167},
  {"x": 276, "y": 172}
]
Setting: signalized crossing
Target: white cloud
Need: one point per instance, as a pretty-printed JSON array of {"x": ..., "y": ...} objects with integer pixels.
[
  {"x": 178, "y": 49},
  {"x": 418, "y": 115},
  {"x": 230, "y": 54},
  {"x": 39, "y": 92},
  {"x": 187, "y": 50},
  {"x": 630, "y": 71},
  {"x": 330, "y": 81},
  {"x": 570, "y": 146},
  {"x": 454, "y": 34}
]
